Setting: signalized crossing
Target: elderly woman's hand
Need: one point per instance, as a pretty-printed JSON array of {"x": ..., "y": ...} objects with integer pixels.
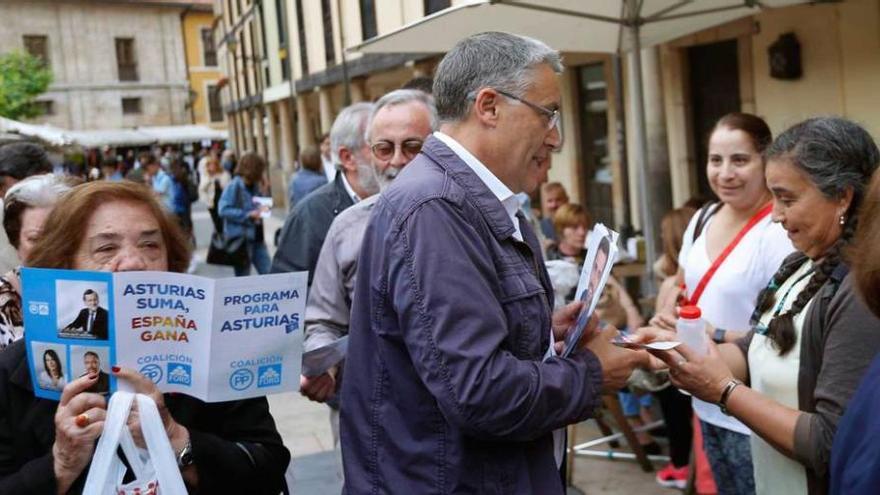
[
  {"x": 177, "y": 434},
  {"x": 703, "y": 376},
  {"x": 79, "y": 421}
]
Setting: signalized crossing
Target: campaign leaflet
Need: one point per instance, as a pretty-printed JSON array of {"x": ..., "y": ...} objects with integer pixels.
[
  {"x": 601, "y": 254},
  {"x": 215, "y": 340}
]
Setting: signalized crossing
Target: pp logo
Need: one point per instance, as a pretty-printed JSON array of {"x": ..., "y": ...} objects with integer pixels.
[
  {"x": 153, "y": 372},
  {"x": 269, "y": 375},
  {"x": 38, "y": 308},
  {"x": 241, "y": 379},
  {"x": 179, "y": 374}
]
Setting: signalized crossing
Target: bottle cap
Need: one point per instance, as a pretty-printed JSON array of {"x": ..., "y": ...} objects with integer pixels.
[{"x": 689, "y": 312}]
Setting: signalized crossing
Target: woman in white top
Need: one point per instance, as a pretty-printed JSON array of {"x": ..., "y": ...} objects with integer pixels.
[
  {"x": 212, "y": 182},
  {"x": 812, "y": 337},
  {"x": 735, "y": 170}
]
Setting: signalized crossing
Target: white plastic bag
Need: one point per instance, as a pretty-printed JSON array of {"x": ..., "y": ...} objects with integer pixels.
[{"x": 155, "y": 469}]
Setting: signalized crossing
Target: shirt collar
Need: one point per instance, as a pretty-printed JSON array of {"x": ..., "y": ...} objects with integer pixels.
[
  {"x": 353, "y": 195},
  {"x": 508, "y": 200}
]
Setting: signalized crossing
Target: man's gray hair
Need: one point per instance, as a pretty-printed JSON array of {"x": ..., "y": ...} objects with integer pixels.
[
  {"x": 497, "y": 60},
  {"x": 402, "y": 97},
  {"x": 348, "y": 129}
]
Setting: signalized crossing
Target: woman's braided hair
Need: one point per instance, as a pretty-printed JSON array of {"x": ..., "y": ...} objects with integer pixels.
[{"x": 837, "y": 155}]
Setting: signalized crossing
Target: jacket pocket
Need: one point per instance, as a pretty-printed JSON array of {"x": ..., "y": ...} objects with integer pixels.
[{"x": 523, "y": 298}]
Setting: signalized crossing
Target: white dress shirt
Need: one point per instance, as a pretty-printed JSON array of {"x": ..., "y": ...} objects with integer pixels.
[
  {"x": 353, "y": 195},
  {"x": 511, "y": 204}
]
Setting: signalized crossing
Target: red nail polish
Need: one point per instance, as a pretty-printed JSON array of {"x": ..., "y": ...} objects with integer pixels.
[{"x": 116, "y": 369}]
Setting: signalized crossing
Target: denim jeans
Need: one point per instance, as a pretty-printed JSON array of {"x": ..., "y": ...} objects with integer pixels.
[
  {"x": 730, "y": 455},
  {"x": 259, "y": 256}
]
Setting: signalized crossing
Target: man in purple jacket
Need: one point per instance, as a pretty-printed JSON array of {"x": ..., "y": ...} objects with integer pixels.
[{"x": 452, "y": 384}]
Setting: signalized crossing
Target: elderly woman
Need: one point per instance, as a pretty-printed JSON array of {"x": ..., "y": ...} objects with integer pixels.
[
  {"x": 46, "y": 446},
  {"x": 25, "y": 208},
  {"x": 812, "y": 336},
  {"x": 855, "y": 456}
]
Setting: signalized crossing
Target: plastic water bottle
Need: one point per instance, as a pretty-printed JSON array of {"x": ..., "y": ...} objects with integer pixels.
[{"x": 691, "y": 329}]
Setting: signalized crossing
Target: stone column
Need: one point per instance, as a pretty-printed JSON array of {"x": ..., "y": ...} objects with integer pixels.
[
  {"x": 260, "y": 131},
  {"x": 326, "y": 109},
  {"x": 248, "y": 126},
  {"x": 286, "y": 138},
  {"x": 358, "y": 89},
  {"x": 272, "y": 156},
  {"x": 304, "y": 136}
]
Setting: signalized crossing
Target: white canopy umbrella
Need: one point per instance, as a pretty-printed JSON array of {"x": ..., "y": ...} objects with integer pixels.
[
  {"x": 46, "y": 133},
  {"x": 605, "y": 26}
]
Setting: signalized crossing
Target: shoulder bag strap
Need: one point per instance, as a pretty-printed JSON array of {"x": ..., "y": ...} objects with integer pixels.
[
  {"x": 701, "y": 286},
  {"x": 705, "y": 214}
]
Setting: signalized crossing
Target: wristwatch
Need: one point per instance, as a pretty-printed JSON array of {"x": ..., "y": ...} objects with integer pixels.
[
  {"x": 718, "y": 336},
  {"x": 185, "y": 456},
  {"x": 728, "y": 389}
]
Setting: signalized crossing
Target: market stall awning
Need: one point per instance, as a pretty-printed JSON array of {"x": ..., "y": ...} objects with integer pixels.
[
  {"x": 141, "y": 136},
  {"x": 178, "y": 134},
  {"x": 566, "y": 25}
]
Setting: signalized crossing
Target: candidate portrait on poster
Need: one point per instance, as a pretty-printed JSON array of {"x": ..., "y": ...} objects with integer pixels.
[{"x": 82, "y": 309}]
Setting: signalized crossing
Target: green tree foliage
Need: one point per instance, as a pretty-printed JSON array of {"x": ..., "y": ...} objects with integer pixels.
[{"x": 23, "y": 77}]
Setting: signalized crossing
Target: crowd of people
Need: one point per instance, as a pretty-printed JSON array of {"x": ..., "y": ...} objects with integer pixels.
[{"x": 413, "y": 219}]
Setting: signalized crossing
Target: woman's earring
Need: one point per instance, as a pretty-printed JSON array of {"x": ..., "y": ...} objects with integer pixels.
[{"x": 842, "y": 220}]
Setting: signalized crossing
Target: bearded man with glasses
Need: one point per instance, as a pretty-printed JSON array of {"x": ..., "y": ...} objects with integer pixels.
[
  {"x": 396, "y": 128},
  {"x": 452, "y": 384}
]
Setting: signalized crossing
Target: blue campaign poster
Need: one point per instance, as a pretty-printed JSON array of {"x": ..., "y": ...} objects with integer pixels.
[{"x": 70, "y": 328}]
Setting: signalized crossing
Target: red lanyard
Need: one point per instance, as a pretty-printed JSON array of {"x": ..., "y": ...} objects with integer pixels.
[{"x": 760, "y": 215}]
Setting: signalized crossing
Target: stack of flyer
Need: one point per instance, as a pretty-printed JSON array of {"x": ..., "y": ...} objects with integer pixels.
[{"x": 601, "y": 254}]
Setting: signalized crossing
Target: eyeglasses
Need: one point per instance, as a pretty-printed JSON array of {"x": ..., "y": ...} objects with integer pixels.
[
  {"x": 554, "y": 118},
  {"x": 384, "y": 150}
]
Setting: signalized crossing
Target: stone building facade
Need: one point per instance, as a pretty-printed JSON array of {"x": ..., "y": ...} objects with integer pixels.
[{"x": 115, "y": 63}]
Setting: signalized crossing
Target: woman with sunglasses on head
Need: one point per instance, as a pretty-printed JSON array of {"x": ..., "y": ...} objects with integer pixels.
[{"x": 791, "y": 377}]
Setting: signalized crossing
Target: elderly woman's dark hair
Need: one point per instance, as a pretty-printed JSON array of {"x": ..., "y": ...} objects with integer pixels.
[
  {"x": 20, "y": 160},
  {"x": 66, "y": 225},
  {"x": 251, "y": 167},
  {"x": 37, "y": 191},
  {"x": 310, "y": 158},
  {"x": 837, "y": 155},
  {"x": 866, "y": 248},
  {"x": 755, "y": 127}
]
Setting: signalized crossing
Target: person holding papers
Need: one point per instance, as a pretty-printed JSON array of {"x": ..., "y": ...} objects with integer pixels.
[
  {"x": 791, "y": 377},
  {"x": 729, "y": 251},
  {"x": 451, "y": 385},
  {"x": 91, "y": 320},
  {"x": 46, "y": 447}
]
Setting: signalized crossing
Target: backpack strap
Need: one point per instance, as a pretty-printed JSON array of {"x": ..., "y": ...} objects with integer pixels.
[{"x": 706, "y": 213}]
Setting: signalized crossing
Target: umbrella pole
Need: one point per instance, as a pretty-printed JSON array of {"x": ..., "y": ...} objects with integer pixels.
[{"x": 645, "y": 200}]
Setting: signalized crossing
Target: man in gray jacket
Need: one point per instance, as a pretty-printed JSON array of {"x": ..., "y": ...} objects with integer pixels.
[
  {"x": 452, "y": 384},
  {"x": 399, "y": 124},
  {"x": 306, "y": 225}
]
